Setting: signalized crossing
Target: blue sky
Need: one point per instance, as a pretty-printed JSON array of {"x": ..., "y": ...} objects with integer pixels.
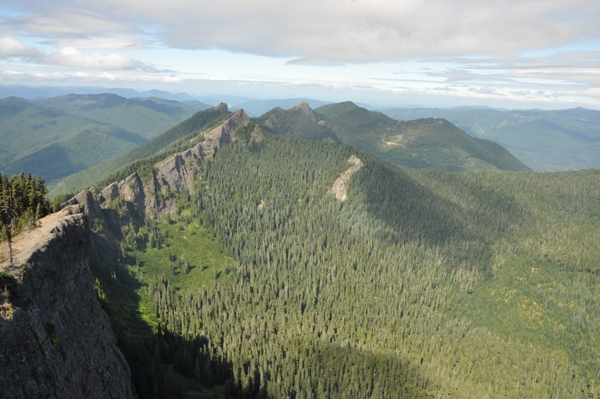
[{"x": 510, "y": 53}]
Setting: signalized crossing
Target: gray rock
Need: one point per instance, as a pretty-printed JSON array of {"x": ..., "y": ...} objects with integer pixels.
[{"x": 55, "y": 339}]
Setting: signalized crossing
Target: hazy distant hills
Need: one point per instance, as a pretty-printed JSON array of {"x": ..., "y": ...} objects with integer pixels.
[
  {"x": 422, "y": 143},
  {"x": 543, "y": 140},
  {"x": 145, "y": 116},
  {"x": 53, "y": 143},
  {"x": 38, "y": 92},
  {"x": 59, "y": 136},
  {"x": 162, "y": 143}
]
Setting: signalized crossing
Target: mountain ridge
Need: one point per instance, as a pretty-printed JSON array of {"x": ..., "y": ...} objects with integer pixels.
[
  {"x": 544, "y": 140},
  {"x": 30, "y": 132},
  {"x": 172, "y": 175},
  {"x": 190, "y": 127},
  {"x": 419, "y": 143},
  {"x": 144, "y": 116},
  {"x": 56, "y": 340}
]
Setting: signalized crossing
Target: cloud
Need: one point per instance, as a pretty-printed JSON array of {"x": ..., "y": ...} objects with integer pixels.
[
  {"x": 592, "y": 93},
  {"x": 10, "y": 47},
  {"x": 346, "y": 31},
  {"x": 314, "y": 62},
  {"x": 72, "y": 57},
  {"x": 83, "y": 77},
  {"x": 64, "y": 21},
  {"x": 369, "y": 31},
  {"x": 487, "y": 90},
  {"x": 470, "y": 47},
  {"x": 113, "y": 43}
]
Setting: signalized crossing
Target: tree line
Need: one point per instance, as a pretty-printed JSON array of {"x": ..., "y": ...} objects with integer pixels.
[{"x": 23, "y": 201}]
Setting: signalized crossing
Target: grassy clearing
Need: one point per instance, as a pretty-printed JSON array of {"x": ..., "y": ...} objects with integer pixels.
[{"x": 183, "y": 242}]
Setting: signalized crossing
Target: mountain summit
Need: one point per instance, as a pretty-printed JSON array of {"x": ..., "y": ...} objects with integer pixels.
[{"x": 421, "y": 143}]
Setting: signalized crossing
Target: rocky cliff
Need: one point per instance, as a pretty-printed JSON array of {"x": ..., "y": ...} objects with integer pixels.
[
  {"x": 172, "y": 175},
  {"x": 340, "y": 186},
  {"x": 55, "y": 339}
]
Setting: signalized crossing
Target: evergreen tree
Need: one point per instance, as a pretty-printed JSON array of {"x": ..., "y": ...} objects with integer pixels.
[{"x": 22, "y": 203}]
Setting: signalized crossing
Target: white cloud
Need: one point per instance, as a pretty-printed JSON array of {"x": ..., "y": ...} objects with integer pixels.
[
  {"x": 11, "y": 47},
  {"x": 592, "y": 93},
  {"x": 326, "y": 30},
  {"x": 112, "y": 43},
  {"x": 80, "y": 77},
  {"x": 315, "y": 62},
  {"x": 483, "y": 49},
  {"x": 67, "y": 21},
  {"x": 487, "y": 90},
  {"x": 72, "y": 57}
]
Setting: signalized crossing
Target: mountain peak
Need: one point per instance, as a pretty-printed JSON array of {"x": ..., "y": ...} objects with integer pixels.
[
  {"x": 222, "y": 108},
  {"x": 305, "y": 108},
  {"x": 338, "y": 108}
]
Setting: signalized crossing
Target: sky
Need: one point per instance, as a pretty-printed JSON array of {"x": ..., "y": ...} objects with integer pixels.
[{"x": 512, "y": 54}]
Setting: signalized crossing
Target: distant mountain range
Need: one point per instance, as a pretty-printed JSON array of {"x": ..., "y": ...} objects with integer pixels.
[
  {"x": 53, "y": 143},
  {"x": 543, "y": 140},
  {"x": 60, "y": 136},
  {"x": 424, "y": 143},
  {"x": 145, "y": 116},
  {"x": 39, "y": 92}
]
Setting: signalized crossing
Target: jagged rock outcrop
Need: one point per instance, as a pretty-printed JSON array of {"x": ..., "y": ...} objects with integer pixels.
[
  {"x": 306, "y": 110},
  {"x": 272, "y": 121},
  {"x": 173, "y": 174},
  {"x": 55, "y": 340},
  {"x": 257, "y": 135},
  {"x": 340, "y": 186}
]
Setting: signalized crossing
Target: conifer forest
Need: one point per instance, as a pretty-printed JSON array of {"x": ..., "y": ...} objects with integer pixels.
[{"x": 423, "y": 284}]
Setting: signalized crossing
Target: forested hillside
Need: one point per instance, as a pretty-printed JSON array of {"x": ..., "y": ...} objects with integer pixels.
[
  {"x": 419, "y": 143},
  {"x": 423, "y": 283},
  {"x": 544, "y": 140},
  {"x": 175, "y": 136},
  {"x": 53, "y": 143},
  {"x": 147, "y": 117}
]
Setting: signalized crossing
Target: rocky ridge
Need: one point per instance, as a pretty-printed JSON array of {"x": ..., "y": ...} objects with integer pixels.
[
  {"x": 56, "y": 340},
  {"x": 176, "y": 173},
  {"x": 306, "y": 110}
]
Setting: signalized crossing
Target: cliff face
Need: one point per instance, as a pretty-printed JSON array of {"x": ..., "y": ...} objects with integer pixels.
[
  {"x": 55, "y": 340},
  {"x": 340, "y": 186},
  {"x": 173, "y": 174}
]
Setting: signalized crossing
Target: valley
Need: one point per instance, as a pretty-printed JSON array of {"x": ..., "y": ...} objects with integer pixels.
[
  {"x": 418, "y": 285},
  {"x": 269, "y": 257},
  {"x": 299, "y": 200}
]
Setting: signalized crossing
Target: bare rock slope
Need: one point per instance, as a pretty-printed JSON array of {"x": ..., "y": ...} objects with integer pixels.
[
  {"x": 178, "y": 172},
  {"x": 340, "y": 186},
  {"x": 55, "y": 339}
]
